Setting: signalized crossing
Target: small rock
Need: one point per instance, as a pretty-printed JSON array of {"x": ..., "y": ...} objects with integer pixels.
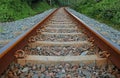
[{"x": 25, "y": 69}]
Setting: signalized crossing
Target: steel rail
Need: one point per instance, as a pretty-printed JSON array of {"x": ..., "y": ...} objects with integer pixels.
[
  {"x": 100, "y": 41},
  {"x": 8, "y": 51}
]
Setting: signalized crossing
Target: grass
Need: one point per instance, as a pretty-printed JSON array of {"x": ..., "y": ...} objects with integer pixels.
[
  {"x": 105, "y": 11},
  {"x": 11, "y": 10},
  {"x": 1, "y": 29}
]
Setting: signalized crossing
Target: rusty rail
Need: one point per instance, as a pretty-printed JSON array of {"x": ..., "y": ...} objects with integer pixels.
[
  {"x": 7, "y": 52},
  {"x": 100, "y": 41}
]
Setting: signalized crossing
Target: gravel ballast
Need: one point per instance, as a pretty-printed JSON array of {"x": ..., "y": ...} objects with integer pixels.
[
  {"x": 10, "y": 30},
  {"x": 106, "y": 31}
]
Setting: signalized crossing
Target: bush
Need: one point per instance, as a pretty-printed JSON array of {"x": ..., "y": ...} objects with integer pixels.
[
  {"x": 11, "y": 10},
  {"x": 40, "y": 6},
  {"x": 107, "y": 11}
]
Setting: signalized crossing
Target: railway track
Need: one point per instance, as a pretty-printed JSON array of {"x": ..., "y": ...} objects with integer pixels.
[{"x": 60, "y": 46}]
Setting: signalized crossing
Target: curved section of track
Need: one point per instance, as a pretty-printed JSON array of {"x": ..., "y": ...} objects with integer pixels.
[{"x": 60, "y": 37}]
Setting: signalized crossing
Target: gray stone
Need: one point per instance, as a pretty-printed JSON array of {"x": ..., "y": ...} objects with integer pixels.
[
  {"x": 35, "y": 76},
  {"x": 25, "y": 69}
]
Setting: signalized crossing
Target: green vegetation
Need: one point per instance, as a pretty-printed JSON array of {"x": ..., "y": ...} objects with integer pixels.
[
  {"x": 11, "y": 10},
  {"x": 1, "y": 29},
  {"x": 40, "y": 6},
  {"x": 107, "y": 11}
]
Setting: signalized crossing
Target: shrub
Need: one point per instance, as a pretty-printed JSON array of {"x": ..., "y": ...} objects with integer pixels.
[
  {"x": 107, "y": 11},
  {"x": 11, "y": 10}
]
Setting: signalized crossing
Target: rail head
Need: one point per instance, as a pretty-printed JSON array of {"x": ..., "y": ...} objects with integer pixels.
[
  {"x": 8, "y": 51},
  {"x": 102, "y": 42}
]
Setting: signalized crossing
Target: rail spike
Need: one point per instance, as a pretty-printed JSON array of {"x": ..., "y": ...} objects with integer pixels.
[
  {"x": 32, "y": 39},
  {"x": 38, "y": 31},
  {"x": 19, "y": 54},
  {"x": 105, "y": 54}
]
